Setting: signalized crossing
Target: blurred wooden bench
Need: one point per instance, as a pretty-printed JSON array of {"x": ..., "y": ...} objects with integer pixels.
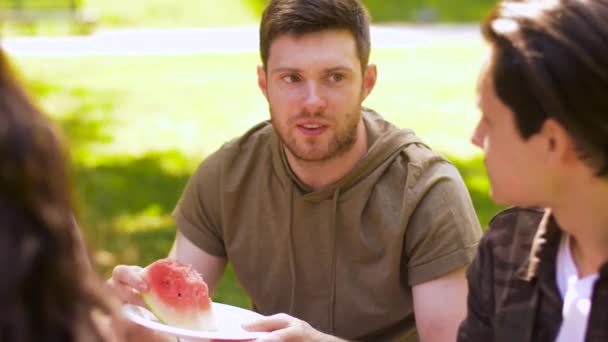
[{"x": 31, "y": 12}]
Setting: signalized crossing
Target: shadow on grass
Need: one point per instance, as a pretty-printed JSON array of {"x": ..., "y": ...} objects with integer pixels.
[{"x": 126, "y": 204}]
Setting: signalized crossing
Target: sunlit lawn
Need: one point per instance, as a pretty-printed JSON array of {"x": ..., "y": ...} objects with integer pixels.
[{"x": 138, "y": 126}]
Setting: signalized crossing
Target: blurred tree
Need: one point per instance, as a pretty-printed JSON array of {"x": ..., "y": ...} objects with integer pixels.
[
  {"x": 394, "y": 11},
  {"x": 428, "y": 10}
]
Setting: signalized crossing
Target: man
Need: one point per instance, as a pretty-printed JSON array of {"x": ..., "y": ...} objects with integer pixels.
[
  {"x": 328, "y": 213},
  {"x": 542, "y": 274}
]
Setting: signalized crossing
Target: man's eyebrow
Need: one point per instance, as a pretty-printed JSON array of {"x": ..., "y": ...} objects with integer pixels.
[
  {"x": 338, "y": 68},
  {"x": 284, "y": 69},
  {"x": 327, "y": 70}
]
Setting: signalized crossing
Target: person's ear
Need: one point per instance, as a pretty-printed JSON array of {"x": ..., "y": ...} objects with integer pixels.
[
  {"x": 369, "y": 79},
  {"x": 262, "y": 82},
  {"x": 558, "y": 143}
]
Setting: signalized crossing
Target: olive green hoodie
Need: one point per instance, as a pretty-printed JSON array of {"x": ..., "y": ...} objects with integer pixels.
[{"x": 343, "y": 258}]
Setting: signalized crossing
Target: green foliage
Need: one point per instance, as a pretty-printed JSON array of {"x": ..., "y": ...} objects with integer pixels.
[
  {"x": 197, "y": 13},
  {"x": 138, "y": 127},
  {"x": 393, "y": 10},
  {"x": 474, "y": 174},
  {"x": 120, "y": 14},
  {"x": 428, "y": 10}
]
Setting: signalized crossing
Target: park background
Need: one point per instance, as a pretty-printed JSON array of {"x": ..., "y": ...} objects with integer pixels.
[{"x": 138, "y": 125}]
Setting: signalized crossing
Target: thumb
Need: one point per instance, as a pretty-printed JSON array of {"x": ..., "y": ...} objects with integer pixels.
[{"x": 270, "y": 323}]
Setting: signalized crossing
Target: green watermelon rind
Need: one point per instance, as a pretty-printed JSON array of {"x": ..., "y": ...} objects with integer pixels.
[
  {"x": 209, "y": 325},
  {"x": 148, "y": 300}
]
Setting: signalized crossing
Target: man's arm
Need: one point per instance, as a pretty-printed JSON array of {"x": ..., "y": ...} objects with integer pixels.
[
  {"x": 127, "y": 281},
  {"x": 211, "y": 267},
  {"x": 440, "y": 306},
  {"x": 478, "y": 326}
]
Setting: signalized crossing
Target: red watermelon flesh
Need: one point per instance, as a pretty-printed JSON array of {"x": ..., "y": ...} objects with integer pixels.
[{"x": 178, "y": 295}]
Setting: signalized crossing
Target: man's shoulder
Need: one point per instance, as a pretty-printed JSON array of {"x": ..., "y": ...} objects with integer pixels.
[
  {"x": 257, "y": 136},
  {"x": 421, "y": 164},
  {"x": 515, "y": 221},
  {"x": 243, "y": 155},
  {"x": 412, "y": 149},
  {"x": 511, "y": 233},
  {"x": 412, "y": 160},
  {"x": 251, "y": 144},
  {"x": 419, "y": 153}
]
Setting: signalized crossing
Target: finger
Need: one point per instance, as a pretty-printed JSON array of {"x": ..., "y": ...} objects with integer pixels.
[
  {"x": 282, "y": 335},
  {"x": 130, "y": 276},
  {"x": 126, "y": 293},
  {"x": 270, "y": 323}
]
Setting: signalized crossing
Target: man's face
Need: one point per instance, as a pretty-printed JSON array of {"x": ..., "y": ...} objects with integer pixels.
[
  {"x": 314, "y": 86},
  {"x": 514, "y": 165}
]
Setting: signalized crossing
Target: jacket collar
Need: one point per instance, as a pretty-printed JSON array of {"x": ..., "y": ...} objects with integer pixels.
[{"x": 544, "y": 248}]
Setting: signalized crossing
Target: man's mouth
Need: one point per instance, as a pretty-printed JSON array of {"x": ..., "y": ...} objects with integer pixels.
[{"x": 311, "y": 129}]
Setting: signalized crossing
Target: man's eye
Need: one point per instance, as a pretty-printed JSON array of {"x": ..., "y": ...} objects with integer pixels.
[
  {"x": 291, "y": 78},
  {"x": 336, "y": 78}
]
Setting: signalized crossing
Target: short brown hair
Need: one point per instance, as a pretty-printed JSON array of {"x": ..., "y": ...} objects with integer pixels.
[
  {"x": 299, "y": 17},
  {"x": 550, "y": 60}
]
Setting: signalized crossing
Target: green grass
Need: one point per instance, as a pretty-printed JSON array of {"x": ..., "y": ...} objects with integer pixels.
[{"x": 138, "y": 126}]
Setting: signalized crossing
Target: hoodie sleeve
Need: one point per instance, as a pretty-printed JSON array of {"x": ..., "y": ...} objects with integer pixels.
[
  {"x": 198, "y": 209},
  {"x": 443, "y": 230}
]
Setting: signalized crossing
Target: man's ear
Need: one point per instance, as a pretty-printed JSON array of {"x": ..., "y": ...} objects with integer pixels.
[
  {"x": 369, "y": 79},
  {"x": 262, "y": 84},
  {"x": 558, "y": 143}
]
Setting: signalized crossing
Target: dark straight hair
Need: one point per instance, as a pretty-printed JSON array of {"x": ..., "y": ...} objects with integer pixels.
[
  {"x": 47, "y": 290},
  {"x": 299, "y": 17},
  {"x": 550, "y": 60}
]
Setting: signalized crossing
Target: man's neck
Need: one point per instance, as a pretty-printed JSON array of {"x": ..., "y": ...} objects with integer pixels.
[
  {"x": 583, "y": 213},
  {"x": 318, "y": 175}
]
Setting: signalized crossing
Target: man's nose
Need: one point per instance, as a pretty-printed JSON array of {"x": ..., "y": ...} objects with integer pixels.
[
  {"x": 478, "y": 136},
  {"x": 315, "y": 100}
]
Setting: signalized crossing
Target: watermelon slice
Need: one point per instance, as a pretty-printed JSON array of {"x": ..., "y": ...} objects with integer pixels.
[{"x": 178, "y": 295}]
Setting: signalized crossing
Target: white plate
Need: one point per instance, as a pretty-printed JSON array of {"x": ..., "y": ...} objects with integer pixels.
[{"x": 228, "y": 320}]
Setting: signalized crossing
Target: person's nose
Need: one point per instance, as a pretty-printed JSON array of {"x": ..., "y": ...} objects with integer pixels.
[
  {"x": 478, "y": 136},
  {"x": 315, "y": 98}
]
